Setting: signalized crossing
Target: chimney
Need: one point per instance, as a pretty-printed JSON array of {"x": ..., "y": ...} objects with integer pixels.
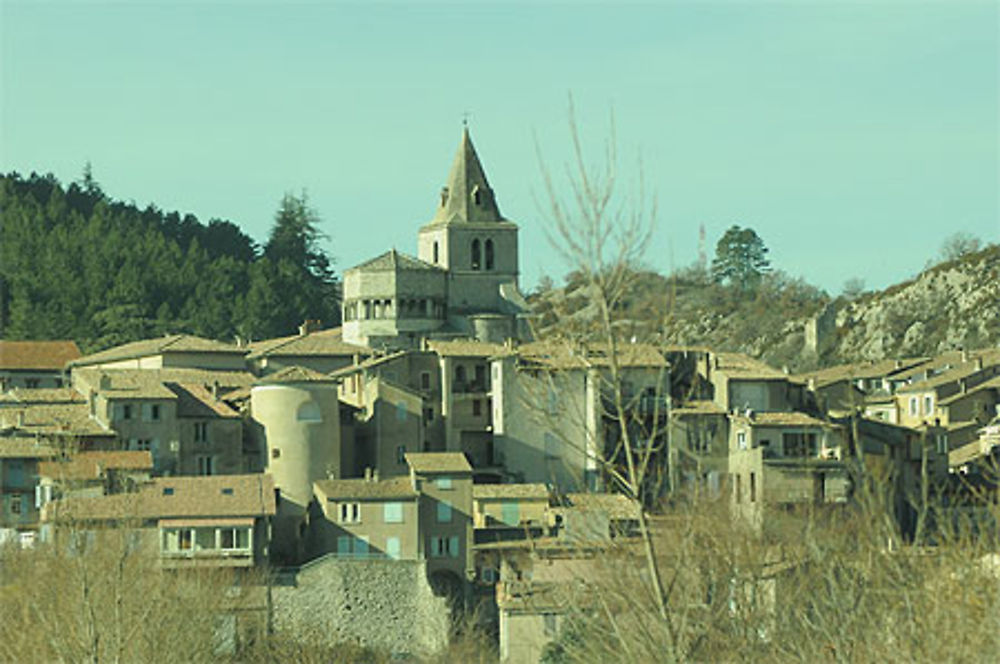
[
  {"x": 368, "y": 474},
  {"x": 961, "y": 385},
  {"x": 965, "y": 355},
  {"x": 979, "y": 363},
  {"x": 898, "y": 363},
  {"x": 20, "y": 419},
  {"x": 215, "y": 390},
  {"x": 375, "y": 475},
  {"x": 239, "y": 341}
]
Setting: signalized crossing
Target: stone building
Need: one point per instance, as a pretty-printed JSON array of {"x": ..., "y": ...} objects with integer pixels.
[{"x": 463, "y": 283}]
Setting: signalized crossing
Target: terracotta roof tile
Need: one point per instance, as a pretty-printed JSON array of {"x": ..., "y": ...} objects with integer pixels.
[
  {"x": 322, "y": 342},
  {"x": 177, "y": 497},
  {"x": 362, "y": 489},
  {"x": 196, "y": 400},
  {"x": 503, "y": 491},
  {"x": 438, "y": 462},
  {"x": 53, "y": 419},
  {"x": 90, "y": 465},
  {"x": 296, "y": 374},
  {"x": 394, "y": 261},
  {"x": 464, "y": 348},
  {"x": 22, "y": 448},
  {"x": 39, "y": 355},
  {"x": 53, "y": 395},
  {"x": 174, "y": 343}
]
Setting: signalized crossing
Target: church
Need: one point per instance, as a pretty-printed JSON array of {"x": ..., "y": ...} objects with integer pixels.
[{"x": 461, "y": 284}]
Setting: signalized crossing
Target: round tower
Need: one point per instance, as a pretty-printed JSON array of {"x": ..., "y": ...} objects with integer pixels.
[{"x": 296, "y": 415}]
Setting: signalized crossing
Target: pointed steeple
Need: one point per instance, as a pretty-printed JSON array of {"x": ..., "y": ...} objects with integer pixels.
[{"x": 467, "y": 197}]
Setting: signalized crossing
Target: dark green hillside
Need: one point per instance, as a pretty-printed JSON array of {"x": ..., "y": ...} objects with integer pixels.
[{"x": 75, "y": 264}]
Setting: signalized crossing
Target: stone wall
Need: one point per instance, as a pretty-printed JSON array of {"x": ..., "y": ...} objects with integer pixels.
[{"x": 382, "y": 604}]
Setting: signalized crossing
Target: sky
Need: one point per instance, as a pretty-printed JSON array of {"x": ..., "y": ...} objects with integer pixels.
[{"x": 854, "y": 137}]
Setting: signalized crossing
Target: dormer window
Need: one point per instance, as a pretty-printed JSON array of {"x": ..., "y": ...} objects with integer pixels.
[
  {"x": 444, "y": 196},
  {"x": 477, "y": 196}
]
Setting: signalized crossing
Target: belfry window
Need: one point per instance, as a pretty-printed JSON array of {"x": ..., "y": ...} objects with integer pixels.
[
  {"x": 488, "y": 250},
  {"x": 435, "y": 252},
  {"x": 477, "y": 196},
  {"x": 476, "y": 255}
]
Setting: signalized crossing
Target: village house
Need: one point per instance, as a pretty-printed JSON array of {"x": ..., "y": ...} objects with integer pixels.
[
  {"x": 34, "y": 364},
  {"x": 190, "y": 521},
  {"x": 92, "y": 474},
  {"x": 551, "y": 403},
  {"x": 178, "y": 351},
  {"x": 313, "y": 348}
]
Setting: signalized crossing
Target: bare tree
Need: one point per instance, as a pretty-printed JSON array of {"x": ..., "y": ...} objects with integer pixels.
[
  {"x": 957, "y": 245},
  {"x": 602, "y": 232}
]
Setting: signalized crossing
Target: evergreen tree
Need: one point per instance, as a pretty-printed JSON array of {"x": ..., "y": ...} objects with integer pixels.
[{"x": 740, "y": 259}]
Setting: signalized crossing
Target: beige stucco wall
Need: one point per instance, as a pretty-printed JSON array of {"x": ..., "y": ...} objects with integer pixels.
[
  {"x": 460, "y": 526},
  {"x": 523, "y": 636},
  {"x": 372, "y": 526},
  {"x": 545, "y": 425},
  {"x": 307, "y": 449},
  {"x": 224, "y": 443}
]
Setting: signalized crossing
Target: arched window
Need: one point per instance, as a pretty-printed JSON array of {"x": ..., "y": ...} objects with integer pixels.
[
  {"x": 476, "y": 257},
  {"x": 489, "y": 254},
  {"x": 435, "y": 252},
  {"x": 477, "y": 196}
]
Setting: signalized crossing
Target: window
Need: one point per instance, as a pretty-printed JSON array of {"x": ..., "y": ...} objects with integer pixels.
[
  {"x": 206, "y": 464},
  {"x": 361, "y": 546},
  {"x": 126, "y": 411},
  {"x": 344, "y": 545},
  {"x": 481, "y": 376},
  {"x": 476, "y": 258},
  {"x": 550, "y": 624},
  {"x": 738, "y": 489},
  {"x": 741, "y": 440},
  {"x": 798, "y": 444},
  {"x": 443, "y": 512},
  {"x": 435, "y": 252},
  {"x": 140, "y": 444},
  {"x": 489, "y": 575},
  {"x": 510, "y": 513},
  {"x": 392, "y": 547},
  {"x": 234, "y": 538},
  {"x": 444, "y": 547},
  {"x": 201, "y": 432},
  {"x": 443, "y": 483},
  {"x": 489, "y": 254},
  {"x": 913, "y": 406},
  {"x": 15, "y": 503},
  {"x": 275, "y": 453},
  {"x": 477, "y": 407},
  {"x": 928, "y": 404},
  {"x": 154, "y": 412},
  {"x": 425, "y": 380},
  {"x": 392, "y": 512},
  {"x": 401, "y": 454},
  {"x": 401, "y": 411},
  {"x": 942, "y": 443},
  {"x": 460, "y": 374},
  {"x": 349, "y": 513},
  {"x": 31, "y": 383},
  {"x": 753, "y": 487},
  {"x": 309, "y": 412},
  {"x": 428, "y": 415}
]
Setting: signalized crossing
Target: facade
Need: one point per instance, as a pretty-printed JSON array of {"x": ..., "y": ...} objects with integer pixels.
[{"x": 220, "y": 521}]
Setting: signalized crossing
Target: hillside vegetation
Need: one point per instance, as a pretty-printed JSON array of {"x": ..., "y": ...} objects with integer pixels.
[
  {"x": 949, "y": 305},
  {"x": 75, "y": 264}
]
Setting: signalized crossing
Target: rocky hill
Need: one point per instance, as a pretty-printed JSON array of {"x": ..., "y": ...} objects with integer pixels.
[{"x": 787, "y": 322}]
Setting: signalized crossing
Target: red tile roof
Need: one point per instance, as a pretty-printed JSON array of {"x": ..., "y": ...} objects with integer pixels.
[{"x": 38, "y": 355}]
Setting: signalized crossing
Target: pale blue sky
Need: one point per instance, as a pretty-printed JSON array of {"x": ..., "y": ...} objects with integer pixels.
[{"x": 853, "y": 136}]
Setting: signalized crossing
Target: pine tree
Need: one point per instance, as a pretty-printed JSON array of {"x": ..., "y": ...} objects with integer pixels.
[{"x": 740, "y": 259}]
